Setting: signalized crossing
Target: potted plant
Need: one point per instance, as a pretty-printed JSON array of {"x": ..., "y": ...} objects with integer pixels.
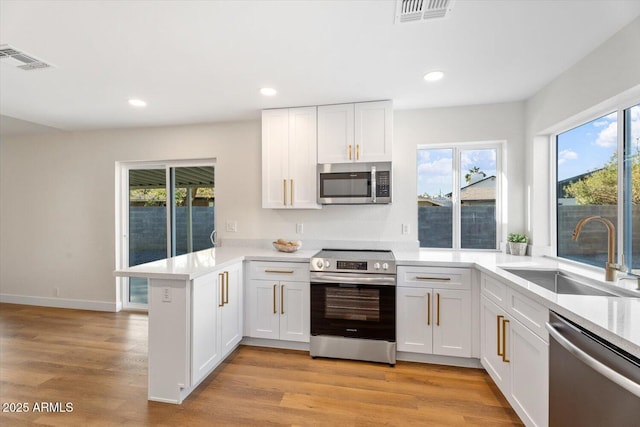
[{"x": 517, "y": 243}]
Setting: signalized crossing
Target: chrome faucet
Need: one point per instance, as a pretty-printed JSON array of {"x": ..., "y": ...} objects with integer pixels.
[{"x": 610, "y": 267}]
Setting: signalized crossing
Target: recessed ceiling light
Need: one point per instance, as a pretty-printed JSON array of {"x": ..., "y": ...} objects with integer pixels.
[
  {"x": 433, "y": 76},
  {"x": 268, "y": 91},
  {"x": 137, "y": 103}
]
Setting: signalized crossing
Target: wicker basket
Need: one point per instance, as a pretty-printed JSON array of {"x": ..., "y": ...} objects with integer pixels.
[{"x": 288, "y": 248}]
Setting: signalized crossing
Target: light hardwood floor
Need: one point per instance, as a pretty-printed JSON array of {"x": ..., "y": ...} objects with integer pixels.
[{"x": 98, "y": 362}]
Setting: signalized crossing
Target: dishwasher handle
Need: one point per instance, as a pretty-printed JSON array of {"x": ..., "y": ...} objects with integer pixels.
[{"x": 624, "y": 382}]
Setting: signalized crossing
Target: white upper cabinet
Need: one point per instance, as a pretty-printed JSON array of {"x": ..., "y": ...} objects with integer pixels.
[
  {"x": 361, "y": 132},
  {"x": 289, "y": 158}
]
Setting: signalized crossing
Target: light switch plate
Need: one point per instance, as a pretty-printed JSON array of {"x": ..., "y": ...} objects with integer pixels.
[{"x": 231, "y": 226}]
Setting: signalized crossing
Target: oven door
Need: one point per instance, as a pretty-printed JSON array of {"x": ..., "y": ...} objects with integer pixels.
[{"x": 354, "y": 310}]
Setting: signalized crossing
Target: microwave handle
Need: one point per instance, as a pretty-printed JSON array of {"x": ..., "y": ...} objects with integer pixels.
[{"x": 373, "y": 184}]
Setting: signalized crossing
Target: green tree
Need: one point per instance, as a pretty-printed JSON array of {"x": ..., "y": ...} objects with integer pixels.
[
  {"x": 601, "y": 187},
  {"x": 473, "y": 171}
]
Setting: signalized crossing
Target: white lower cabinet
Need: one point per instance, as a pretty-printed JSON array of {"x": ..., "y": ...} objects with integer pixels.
[
  {"x": 193, "y": 325},
  {"x": 514, "y": 355},
  {"x": 433, "y": 307},
  {"x": 216, "y": 319},
  {"x": 278, "y": 301}
]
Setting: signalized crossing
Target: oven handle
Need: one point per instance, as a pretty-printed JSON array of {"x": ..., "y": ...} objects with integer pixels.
[{"x": 382, "y": 280}]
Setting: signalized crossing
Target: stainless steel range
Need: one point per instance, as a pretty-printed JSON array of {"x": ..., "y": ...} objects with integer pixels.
[{"x": 353, "y": 305}]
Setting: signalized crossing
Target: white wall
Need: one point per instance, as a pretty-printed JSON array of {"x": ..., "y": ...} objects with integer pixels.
[
  {"x": 57, "y": 215},
  {"x": 603, "y": 79}
]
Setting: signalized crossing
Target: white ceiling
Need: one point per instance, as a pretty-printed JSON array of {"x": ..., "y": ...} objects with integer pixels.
[{"x": 205, "y": 61}]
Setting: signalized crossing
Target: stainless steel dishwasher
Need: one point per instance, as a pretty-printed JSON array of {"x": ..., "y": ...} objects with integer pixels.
[{"x": 591, "y": 381}]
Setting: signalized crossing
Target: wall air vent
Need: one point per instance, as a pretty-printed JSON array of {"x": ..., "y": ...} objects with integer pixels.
[
  {"x": 16, "y": 58},
  {"x": 417, "y": 10}
]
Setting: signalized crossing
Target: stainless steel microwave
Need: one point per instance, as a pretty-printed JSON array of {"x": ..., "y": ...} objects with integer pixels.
[{"x": 354, "y": 183}]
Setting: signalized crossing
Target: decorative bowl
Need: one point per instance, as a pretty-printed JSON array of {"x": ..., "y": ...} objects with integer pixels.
[{"x": 287, "y": 246}]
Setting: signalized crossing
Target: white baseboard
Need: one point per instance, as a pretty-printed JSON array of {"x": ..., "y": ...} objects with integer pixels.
[{"x": 61, "y": 303}]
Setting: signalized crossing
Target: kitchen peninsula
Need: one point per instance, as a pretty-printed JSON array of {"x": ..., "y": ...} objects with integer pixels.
[{"x": 197, "y": 305}]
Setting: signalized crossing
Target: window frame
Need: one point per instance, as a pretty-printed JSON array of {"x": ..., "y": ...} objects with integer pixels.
[
  {"x": 122, "y": 217},
  {"x": 621, "y": 257},
  {"x": 501, "y": 196}
]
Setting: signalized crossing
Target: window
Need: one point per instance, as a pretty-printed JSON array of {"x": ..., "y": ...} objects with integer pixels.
[
  {"x": 458, "y": 204},
  {"x": 167, "y": 209},
  {"x": 598, "y": 174}
]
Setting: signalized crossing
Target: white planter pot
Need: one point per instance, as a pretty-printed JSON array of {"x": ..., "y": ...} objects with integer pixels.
[{"x": 517, "y": 248}]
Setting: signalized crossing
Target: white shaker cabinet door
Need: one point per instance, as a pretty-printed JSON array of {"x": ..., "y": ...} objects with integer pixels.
[
  {"x": 205, "y": 345},
  {"x": 373, "y": 131},
  {"x": 295, "y": 311},
  {"x": 452, "y": 328},
  {"x": 336, "y": 133},
  {"x": 263, "y": 316},
  {"x": 414, "y": 320}
]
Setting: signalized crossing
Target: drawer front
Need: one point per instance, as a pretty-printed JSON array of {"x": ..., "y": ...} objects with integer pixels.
[
  {"x": 277, "y": 271},
  {"x": 494, "y": 290},
  {"x": 434, "y": 277},
  {"x": 528, "y": 312}
]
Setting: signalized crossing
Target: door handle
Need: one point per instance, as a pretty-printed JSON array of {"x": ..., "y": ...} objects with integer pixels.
[
  {"x": 429, "y": 308},
  {"x": 281, "y": 299},
  {"x": 438, "y": 309},
  {"x": 350, "y": 152},
  {"x": 221, "y": 283},
  {"x": 504, "y": 341},
  {"x": 274, "y": 299},
  {"x": 226, "y": 287},
  {"x": 499, "y": 320}
]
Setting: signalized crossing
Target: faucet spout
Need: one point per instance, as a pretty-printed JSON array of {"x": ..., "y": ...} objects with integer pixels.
[{"x": 610, "y": 266}]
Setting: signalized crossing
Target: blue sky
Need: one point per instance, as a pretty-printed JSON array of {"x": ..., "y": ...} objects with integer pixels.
[
  {"x": 590, "y": 146},
  {"x": 435, "y": 174}
]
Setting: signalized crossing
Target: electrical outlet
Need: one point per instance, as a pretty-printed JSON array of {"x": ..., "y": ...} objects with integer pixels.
[
  {"x": 299, "y": 228},
  {"x": 56, "y": 292},
  {"x": 405, "y": 228},
  {"x": 166, "y": 294},
  {"x": 231, "y": 226}
]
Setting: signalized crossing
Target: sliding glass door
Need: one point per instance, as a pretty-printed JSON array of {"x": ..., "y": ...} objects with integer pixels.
[{"x": 169, "y": 211}]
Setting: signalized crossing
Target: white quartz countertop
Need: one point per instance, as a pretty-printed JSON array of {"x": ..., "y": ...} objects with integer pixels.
[
  {"x": 196, "y": 264},
  {"x": 616, "y": 319}
]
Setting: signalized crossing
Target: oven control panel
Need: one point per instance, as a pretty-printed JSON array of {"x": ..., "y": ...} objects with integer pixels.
[{"x": 349, "y": 266}]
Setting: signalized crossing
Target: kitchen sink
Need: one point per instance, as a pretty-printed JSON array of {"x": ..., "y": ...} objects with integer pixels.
[{"x": 562, "y": 282}]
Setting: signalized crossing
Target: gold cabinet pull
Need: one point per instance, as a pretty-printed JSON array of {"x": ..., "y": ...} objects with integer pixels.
[
  {"x": 226, "y": 287},
  {"x": 357, "y": 151},
  {"x": 221, "y": 282},
  {"x": 350, "y": 152},
  {"x": 504, "y": 341},
  {"x": 438, "y": 310},
  {"x": 499, "y": 320},
  {"x": 281, "y": 299},
  {"x": 291, "y": 192},
  {"x": 429, "y": 308},
  {"x": 440, "y": 279},
  {"x": 279, "y": 271},
  {"x": 284, "y": 192},
  {"x": 274, "y": 299}
]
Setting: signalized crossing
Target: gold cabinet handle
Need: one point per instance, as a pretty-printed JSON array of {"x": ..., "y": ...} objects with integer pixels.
[
  {"x": 504, "y": 341},
  {"x": 274, "y": 299},
  {"x": 357, "y": 151},
  {"x": 291, "y": 192},
  {"x": 284, "y": 192},
  {"x": 279, "y": 271},
  {"x": 429, "y": 308},
  {"x": 281, "y": 299},
  {"x": 440, "y": 279},
  {"x": 438, "y": 310},
  {"x": 226, "y": 287},
  {"x": 221, "y": 282},
  {"x": 350, "y": 152},
  {"x": 499, "y": 320}
]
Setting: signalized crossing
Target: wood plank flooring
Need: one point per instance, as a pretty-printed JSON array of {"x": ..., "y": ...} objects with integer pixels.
[{"x": 98, "y": 362}]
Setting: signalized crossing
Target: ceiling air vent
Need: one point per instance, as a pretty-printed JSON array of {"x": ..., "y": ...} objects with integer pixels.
[
  {"x": 16, "y": 58},
  {"x": 417, "y": 10}
]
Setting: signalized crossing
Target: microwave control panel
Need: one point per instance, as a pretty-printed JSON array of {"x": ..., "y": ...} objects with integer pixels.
[{"x": 382, "y": 184}]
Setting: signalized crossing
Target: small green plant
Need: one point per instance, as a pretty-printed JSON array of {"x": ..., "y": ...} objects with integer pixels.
[{"x": 517, "y": 238}]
